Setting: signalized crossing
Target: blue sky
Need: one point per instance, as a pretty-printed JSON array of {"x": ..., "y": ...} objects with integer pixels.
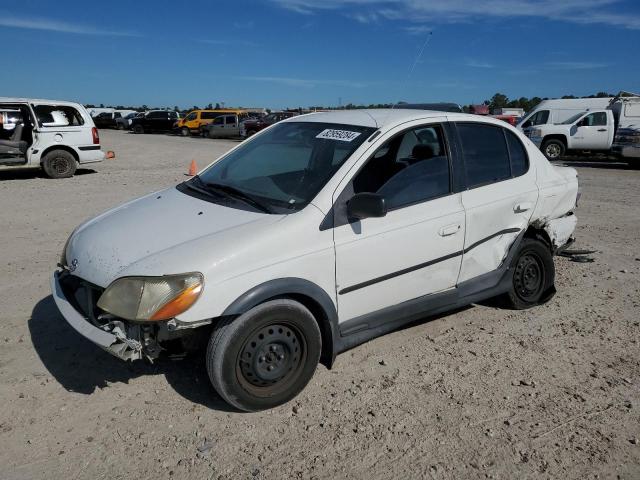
[{"x": 289, "y": 53}]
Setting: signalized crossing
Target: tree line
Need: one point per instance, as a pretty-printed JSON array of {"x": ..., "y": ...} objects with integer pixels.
[{"x": 499, "y": 100}]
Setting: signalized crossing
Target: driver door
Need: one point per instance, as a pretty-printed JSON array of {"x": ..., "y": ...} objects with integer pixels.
[
  {"x": 592, "y": 131},
  {"x": 416, "y": 249}
]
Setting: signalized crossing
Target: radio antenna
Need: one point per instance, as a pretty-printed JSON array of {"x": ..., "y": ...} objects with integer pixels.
[{"x": 415, "y": 62}]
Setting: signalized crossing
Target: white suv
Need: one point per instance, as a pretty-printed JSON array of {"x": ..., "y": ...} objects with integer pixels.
[
  {"x": 54, "y": 135},
  {"x": 317, "y": 234}
]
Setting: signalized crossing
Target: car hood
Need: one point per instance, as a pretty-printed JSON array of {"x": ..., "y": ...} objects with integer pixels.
[{"x": 157, "y": 226}]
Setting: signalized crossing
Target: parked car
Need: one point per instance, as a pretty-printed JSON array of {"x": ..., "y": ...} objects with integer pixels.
[
  {"x": 155, "y": 121},
  {"x": 253, "y": 126},
  {"x": 316, "y": 235},
  {"x": 224, "y": 126},
  {"x": 124, "y": 123},
  {"x": 197, "y": 119},
  {"x": 54, "y": 135},
  {"x": 592, "y": 130},
  {"x": 110, "y": 119}
]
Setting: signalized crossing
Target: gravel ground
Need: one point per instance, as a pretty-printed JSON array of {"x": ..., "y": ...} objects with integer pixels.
[{"x": 551, "y": 392}]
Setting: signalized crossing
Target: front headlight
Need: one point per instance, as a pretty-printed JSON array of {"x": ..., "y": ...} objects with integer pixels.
[{"x": 151, "y": 298}]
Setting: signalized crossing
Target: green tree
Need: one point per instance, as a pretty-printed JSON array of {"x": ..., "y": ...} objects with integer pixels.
[{"x": 499, "y": 100}]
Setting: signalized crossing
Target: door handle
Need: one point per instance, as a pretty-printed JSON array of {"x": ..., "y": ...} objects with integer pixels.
[
  {"x": 522, "y": 207},
  {"x": 602, "y": 129},
  {"x": 449, "y": 230}
]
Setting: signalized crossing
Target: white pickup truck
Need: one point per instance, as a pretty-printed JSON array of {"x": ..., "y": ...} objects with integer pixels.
[{"x": 615, "y": 130}]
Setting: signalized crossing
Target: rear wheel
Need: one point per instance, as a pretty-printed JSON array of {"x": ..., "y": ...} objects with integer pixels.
[
  {"x": 266, "y": 356},
  {"x": 553, "y": 149},
  {"x": 59, "y": 164},
  {"x": 533, "y": 275}
]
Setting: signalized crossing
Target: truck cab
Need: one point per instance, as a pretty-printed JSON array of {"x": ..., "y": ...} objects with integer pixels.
[{"x": 588, "y": 130}]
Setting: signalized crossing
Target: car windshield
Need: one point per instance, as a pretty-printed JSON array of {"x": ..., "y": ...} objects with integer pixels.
[
  {"x": 569, "y": 121},
  {"x": 286, "y": 166}
]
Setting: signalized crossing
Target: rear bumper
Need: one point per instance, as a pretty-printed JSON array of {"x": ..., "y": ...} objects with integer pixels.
[
  {"x": 90, "y": 155},
  {"x": 111, "y": 338}
]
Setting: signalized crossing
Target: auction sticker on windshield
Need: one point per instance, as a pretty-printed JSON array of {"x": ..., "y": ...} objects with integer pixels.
[{"x": 342, "y": 135}]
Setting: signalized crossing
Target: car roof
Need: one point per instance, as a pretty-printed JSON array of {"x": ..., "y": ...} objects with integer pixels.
[
  {"x": 36, "y": 100},
  {"x": 387, "y": 117}
]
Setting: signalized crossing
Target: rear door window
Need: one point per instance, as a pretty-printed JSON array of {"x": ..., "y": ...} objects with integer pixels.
[{"x": 485, "y": 153}]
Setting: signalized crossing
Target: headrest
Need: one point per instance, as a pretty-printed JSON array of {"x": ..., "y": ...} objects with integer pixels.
[{"x": 422, "y": 152}]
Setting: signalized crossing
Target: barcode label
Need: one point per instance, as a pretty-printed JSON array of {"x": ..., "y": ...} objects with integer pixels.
[{"x": 341, "y": 135}]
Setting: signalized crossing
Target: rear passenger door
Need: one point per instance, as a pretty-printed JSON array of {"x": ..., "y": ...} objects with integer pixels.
[{"x": 500, "y": 196}]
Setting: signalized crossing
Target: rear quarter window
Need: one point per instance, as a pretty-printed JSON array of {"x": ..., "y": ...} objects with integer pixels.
[{"x": 58, "y": 116}]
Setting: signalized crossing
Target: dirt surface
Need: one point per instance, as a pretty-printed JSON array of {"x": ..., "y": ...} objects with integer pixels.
[{"x": 553, "y": 392}]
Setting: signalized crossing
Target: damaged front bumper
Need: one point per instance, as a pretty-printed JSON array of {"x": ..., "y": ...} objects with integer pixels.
[{"x": 113, "y": 337}]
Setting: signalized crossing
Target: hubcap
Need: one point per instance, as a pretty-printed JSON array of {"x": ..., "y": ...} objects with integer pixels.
[
  {"x": 270, "y": 355},
  {"x": 60, "y": 165},
  {"x": 553, "y": 151},
  {"x": 528, "y": 277}
]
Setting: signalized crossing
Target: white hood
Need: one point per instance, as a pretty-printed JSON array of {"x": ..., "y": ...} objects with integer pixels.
[{"x": 103, "y": 248}]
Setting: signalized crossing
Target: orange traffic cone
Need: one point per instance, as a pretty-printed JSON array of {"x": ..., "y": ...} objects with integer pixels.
[{"x": 193, "y": 168}]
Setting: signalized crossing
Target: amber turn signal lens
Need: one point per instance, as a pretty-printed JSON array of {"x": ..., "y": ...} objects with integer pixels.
[{"x": 179, "y": 304}]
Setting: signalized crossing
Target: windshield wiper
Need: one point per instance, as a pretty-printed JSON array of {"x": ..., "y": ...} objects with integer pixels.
[{"x": 237, "y": 193}]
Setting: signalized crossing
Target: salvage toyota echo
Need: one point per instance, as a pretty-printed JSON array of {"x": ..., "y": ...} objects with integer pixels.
[{"x": 317, "y": 234}]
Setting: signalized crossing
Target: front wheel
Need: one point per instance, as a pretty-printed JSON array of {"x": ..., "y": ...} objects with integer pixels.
[
  {"x": 266, "y": 356},
  {"x": 185, "y": 132},
  {"x": 138, "y": 129},
  {"x": 553, "y": 149},
  {"x": 533, "y": 275}
]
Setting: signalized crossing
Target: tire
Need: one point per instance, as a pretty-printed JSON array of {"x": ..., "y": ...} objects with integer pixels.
[
  {"x": 185, "y": 131},
  {"x": 553, "y": 149},
  {"x": 264, "y": 357},
  {"x": 138, "y": 128},
  {"x": 59, "y": 164},
  {"x": 533, "y": 275},
  {"x": 119, "y": 126},
  {"x": 209, "y": 134},
  {"x": 251, "y": 133}
]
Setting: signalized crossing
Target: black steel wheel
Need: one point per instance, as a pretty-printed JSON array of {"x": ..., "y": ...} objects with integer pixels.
[
  {"x": 533, "y": 275},
  {"x": 270, "y": 355},
  {"x": 59, "y": 164},
  {"x": 266, "y": 356},
  {"x": 528, "y": 277}
]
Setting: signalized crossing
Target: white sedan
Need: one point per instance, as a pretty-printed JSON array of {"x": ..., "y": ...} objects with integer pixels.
[{"x": 317, "y": 234}]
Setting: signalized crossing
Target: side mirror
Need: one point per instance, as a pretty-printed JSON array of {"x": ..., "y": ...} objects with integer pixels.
[{"x": 365, "y": 205}]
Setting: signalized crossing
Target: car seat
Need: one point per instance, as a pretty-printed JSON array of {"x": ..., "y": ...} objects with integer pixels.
[{"x": 15, "y": 145}]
